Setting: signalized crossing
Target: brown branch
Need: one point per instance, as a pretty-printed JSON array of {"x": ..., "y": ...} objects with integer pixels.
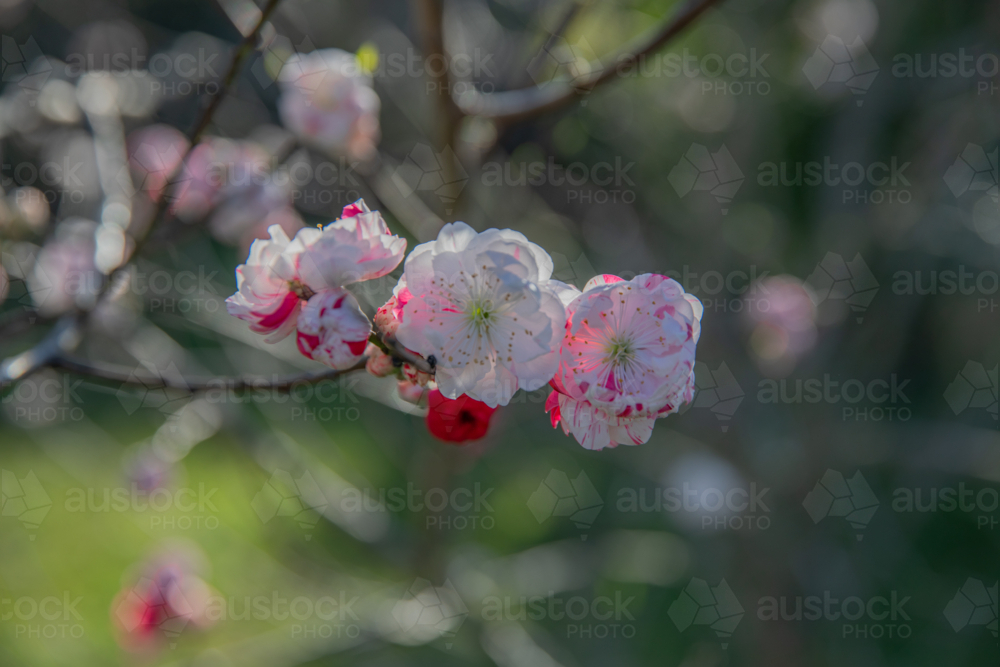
[
  {"x": 127, "y": 377},
  {"x": 242, "y": 51},
  {"x": 438, "y": 68},
  {"x": 66, "y": 335},
  {"x": 514, "y": 105}
]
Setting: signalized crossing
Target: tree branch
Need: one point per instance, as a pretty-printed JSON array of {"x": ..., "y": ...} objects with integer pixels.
[
  {"x": 242, "y": 51},
  {"x": 128, "y": 377},
  {"x": 67, "y": 333},
  {"x": 514, "y": 105}
]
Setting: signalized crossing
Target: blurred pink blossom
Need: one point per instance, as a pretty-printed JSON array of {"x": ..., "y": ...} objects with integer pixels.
[{"x": 328, "y": 101}]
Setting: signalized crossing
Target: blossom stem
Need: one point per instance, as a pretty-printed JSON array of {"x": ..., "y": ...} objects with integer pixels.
[{"x": 514, "y": 105}]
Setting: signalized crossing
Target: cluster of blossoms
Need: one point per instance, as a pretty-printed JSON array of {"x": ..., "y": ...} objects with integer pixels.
[
  {"x": 223, "y": 182},
  {"x": 479, "y": 317}
]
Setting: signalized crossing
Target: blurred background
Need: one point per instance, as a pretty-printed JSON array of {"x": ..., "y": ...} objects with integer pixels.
[{"x": 822, "y": 174}]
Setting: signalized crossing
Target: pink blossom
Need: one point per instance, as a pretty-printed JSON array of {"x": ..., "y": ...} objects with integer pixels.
[
  {"x": 280, "y": 274},
  {"x": 379, "y": 363},
  {"x": 388, "y": 317},
  {"x": 783, "y": 322},
  {"x": 268, "y": 291},
  {"x": 627, "y": 358},
  {"x": 332, "y": 329},
  {"x": 328, "y": 101},
  {"x": 358, "y": 246},
  {"x": 65, "y": 274},
  {"x": 485, "y": 307}
]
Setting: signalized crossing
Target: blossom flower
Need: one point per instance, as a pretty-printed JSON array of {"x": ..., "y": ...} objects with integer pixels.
[
  {"x": 167, "y": 598},
  {"x": 328, "y": 101},
  {"x": 280, "y": 273},
  {"x": 332, "y": 329},
  {"x": 358, "y": 246},
  {"x": 388, "y": 317},
  {"x": 457, "y": 420},
  {"x": 269, "y": 294},
  {"x": 251, "y": 199},
  {"x": 155, "y": 152},
  {"x": 782, "y": 315},
  {"x": 627, "y": 359},
  {"x": 483, "y": 305},
  {"x": 65, "y": 274},
  {"x": 379, "y": 363}
]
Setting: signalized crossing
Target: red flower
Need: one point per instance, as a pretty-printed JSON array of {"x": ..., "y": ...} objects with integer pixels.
[{"x": 457, "y": 420}]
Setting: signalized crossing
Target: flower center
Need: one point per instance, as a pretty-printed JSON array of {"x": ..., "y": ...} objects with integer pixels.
[
  {"x": 620, "y": 351},
  {"x": 479, "y": 312}
]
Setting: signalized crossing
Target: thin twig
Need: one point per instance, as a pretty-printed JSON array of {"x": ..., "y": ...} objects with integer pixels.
[
  {"x": 67, "y": 334},
  {"x": 128, "y": 377},
  {"x": 242, "y": 51},
  {"x": 514, "y": 105},
  {"x": 438, "y": 68}
]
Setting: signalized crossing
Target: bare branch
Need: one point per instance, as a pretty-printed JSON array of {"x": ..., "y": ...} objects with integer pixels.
[
  {"x": 66, "y": 335},
  {"x": 438, "y": 68},
  {"x": 242, "y": 51},
  {"x": 128, "y": 377},
  {"x": 514, "y": 105}
]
